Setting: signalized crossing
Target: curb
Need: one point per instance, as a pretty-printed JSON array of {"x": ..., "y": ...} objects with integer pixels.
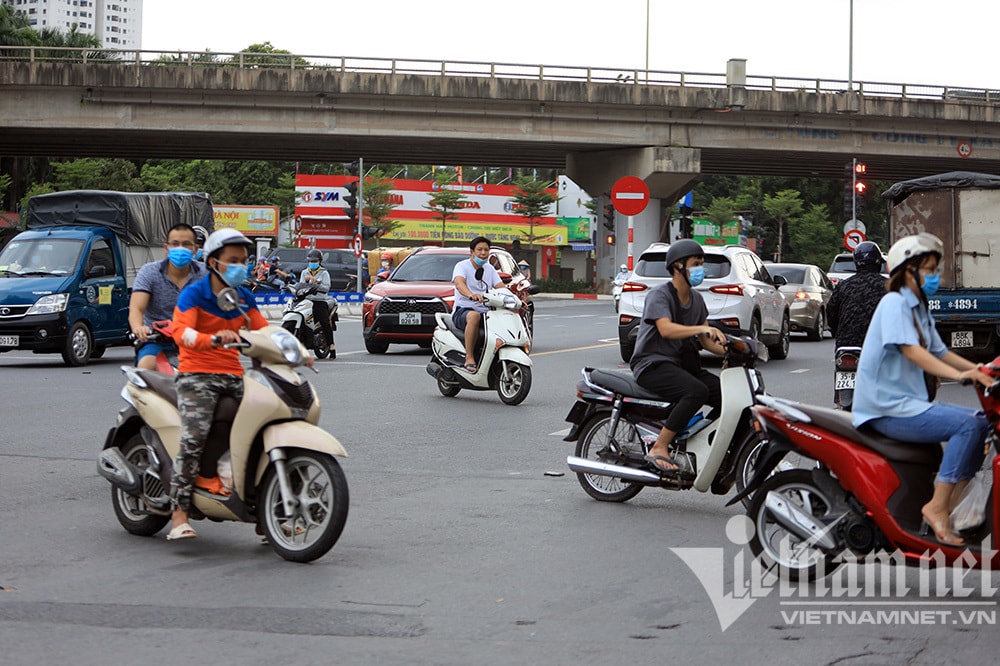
[{"x": 602, "y": 297}]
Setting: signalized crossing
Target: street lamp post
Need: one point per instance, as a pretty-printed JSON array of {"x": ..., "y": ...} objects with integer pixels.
[
  {"x": 647, "y": 40},
  {"x": 850, "y": 51}
]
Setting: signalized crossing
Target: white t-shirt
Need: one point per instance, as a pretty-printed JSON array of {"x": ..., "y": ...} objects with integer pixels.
[{"x": 467, "y": 269}]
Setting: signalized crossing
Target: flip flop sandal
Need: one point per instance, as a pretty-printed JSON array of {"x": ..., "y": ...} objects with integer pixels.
[
  {"x": 673, "y": 473},
  {"x": 471, "y": 367},
  {"x": 182, "y": 531}
]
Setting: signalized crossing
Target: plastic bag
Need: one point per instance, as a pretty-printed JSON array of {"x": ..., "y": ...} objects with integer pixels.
[
  {"x": 970, "y": 512},
  {"x": 225, "y": 469}
]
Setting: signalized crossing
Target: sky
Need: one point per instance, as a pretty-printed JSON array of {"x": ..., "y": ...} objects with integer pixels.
[{"x": 931, "y": 42}]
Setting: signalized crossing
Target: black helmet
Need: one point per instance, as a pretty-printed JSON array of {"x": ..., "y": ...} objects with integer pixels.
[
  {"x": 314, "y": 255},
  {"x": 681, "y": 250},
  {"x": 867, "y": 255}
]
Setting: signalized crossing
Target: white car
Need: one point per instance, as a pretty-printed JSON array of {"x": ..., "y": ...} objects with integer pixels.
[
  {"x": 843, "y": 267},
  {"x": 742, "y": 297}
]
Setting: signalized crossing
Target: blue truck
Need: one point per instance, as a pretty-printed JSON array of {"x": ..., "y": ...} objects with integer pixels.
[
  {"x": 65, "y": 281},
  {"x": 962, "y": 208}
]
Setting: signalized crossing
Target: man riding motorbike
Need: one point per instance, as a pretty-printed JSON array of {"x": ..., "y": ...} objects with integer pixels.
[
  {"x": 321, "y": 309},
  {"x": 854, "y": 300},
  {"x": 666, "y": 359}
]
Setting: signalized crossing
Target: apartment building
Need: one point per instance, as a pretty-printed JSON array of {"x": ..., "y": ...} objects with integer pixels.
[{"x": 117, "y": 23}]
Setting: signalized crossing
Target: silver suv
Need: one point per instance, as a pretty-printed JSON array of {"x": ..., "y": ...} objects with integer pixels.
[{"x": 741, "y": 296}]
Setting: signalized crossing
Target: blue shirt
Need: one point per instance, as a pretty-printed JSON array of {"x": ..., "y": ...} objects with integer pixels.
[
  {"x": 889, "y": 384},
  {"x": 152, "y": 278}
]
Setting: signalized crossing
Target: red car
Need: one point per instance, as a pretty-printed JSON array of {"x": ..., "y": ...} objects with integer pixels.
[{"x": 401, "y": 309}]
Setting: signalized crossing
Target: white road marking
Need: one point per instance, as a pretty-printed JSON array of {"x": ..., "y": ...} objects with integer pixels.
[
  {"x": 559, "y": 433},
  {"x": 799, "y": 371}
]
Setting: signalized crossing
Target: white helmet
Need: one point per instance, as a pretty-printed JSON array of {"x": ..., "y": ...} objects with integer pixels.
[
  {"x": 224, "y": 237},
  {"x": 623, "y": 267},
  {"x": 913, "y": 246}
]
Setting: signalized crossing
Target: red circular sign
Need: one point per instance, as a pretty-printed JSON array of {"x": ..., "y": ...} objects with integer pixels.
[
  {"x": 629, "y": 195},
  {"x": 964, "y": 149},
  {"x": 357, "y": 245},
  {"x": 853, "y": 238}
]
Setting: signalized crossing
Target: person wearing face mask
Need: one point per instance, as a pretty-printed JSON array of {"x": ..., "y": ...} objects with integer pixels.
[
  {"x": 207, "y": 371},
  {"x": 315, "y": 272},
  {"x": 666, "y": 360},
  {"x": 385, "y": 269},
  {"x": 892, "y": 392},
  {"x": 473, "y": 278},
  {"x": 156, "y": 288},
  {"x": 200, "y": 236}
]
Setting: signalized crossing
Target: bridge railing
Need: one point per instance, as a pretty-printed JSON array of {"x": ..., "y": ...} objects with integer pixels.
[{"x": 497, "y": 70}]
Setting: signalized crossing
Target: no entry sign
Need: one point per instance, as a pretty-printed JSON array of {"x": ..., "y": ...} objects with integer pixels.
[
  {"x": 629, "y": 195},
  {"x": 852, "y": 239}
]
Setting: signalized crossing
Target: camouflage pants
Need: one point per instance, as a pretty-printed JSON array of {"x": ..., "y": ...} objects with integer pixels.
[{"x": 197, "y": 396}]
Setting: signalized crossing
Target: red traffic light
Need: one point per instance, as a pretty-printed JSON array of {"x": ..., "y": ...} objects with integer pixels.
[
  {"x": 861, "y": 187},
  {"x": 610, "y": 239},
  {"x": 860, "y": 168}
]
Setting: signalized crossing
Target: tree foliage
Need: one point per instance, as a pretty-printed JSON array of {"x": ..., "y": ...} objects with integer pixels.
[
  {"x": 445, "y": 201},
  {"x": 377, "y": 202},
  {"x": 532, "y": 201}
]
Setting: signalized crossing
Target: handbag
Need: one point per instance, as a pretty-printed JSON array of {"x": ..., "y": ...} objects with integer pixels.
[{"x": 932, "y": 382}]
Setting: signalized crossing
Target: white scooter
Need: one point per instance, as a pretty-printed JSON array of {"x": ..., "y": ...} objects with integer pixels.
[
  {"x": 502, "y": 365},
  {"x": 297, "y": 318}
]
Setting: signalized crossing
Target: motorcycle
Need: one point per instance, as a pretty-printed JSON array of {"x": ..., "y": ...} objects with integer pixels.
[
  {"x": 616, "y": 291},
  {"x": 161, "y": 332},
  {"x": 285, "y": 476},
  {"x": 523, "y": 289},
  {"x": 616, "y": 422},
  {"x": 865, "y": 494},
  {"x": 845, "y": 369},
  {"x": 297, "y": 319},
  {"x": 502, "y": 365}
]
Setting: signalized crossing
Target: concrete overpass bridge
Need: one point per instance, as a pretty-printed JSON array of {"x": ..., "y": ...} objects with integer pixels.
[{"x": 596, "y": 124}]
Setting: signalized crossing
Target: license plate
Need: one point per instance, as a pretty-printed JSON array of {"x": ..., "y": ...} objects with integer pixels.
[
  {"x": 409, "y": 319},
  {"x": 844, "y": 380},
  {"x": 961, "y": 339},
  {"x": 9, "y": 340}
]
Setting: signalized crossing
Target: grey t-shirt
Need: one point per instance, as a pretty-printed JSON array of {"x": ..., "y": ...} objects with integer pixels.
[
  {"x": 152, "y": 278},
  {"x": 467, "y": 269},
  {"x": 651, "y": 347}
]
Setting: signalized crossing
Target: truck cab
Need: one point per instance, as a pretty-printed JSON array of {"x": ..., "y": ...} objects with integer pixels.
[{"x": 63, "y": 289}]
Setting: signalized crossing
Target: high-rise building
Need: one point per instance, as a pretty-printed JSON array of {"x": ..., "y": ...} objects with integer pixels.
[{"x": 117, "y": 23}]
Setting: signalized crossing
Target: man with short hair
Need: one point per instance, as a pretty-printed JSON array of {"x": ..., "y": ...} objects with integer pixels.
[
  {"x": 473, "y": 278},
  {"x": 156, "y": 288}
]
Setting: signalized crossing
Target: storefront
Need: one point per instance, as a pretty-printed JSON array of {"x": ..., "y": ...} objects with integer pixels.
[{"x": 258, "y": 223}]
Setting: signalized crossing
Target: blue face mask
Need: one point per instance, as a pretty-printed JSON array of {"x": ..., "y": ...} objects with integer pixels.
[
  {"x": 235, "y": 274},
  {"x": 314, "y": 265},
  {"x": 477, "y": 261},
  {"x": 197, "y": 254},
  {"x": 696, "y": 276},
  {"x": 931, "y": 284},
  {"x": 179, "y": 256}
]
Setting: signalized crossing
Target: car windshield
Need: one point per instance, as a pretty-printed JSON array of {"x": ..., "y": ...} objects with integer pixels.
[
  {"x": 54, "y": 256},
  {"x": 427, "y": 268},
  {"x": 653, "y": 265},
  {"x": 794, "y": 274}
]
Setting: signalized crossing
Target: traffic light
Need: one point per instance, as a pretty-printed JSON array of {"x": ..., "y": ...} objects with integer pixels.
[
  {"x": 369, "y": 232},
  {"x": 610, "y": 239},
  {"x": 686, "y": 227},
  {"x": 351, "y": 200},
  {"x": 860, "y": 188},
  {"x": 609, "y": 218}
]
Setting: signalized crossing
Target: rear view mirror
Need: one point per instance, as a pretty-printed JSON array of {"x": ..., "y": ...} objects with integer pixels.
[
  {"x": 505, "y": 278},
  {"x": 98, "y": 270},
  {"x": 780, "y": 281}
]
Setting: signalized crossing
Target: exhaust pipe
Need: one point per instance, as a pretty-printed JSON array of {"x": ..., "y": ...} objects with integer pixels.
[
  {"x": 800, "y": 523},
  {"x": 587, "y": 466},
  {"x": 434, "y": 369},
  {"x": 111, "y": 464}
]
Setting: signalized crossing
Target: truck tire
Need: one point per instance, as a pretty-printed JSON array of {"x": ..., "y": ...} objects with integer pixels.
[{"x": 79, "y": 345}]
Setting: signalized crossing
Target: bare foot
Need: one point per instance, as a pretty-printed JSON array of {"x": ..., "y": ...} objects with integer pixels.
[{"x": 940, "y": 522}]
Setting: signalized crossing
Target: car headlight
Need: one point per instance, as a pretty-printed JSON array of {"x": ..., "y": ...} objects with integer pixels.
[
  {"x": 372, "y": 298},
  {"x": 49, "y": 304},
  {"x": 289, "y": 347}
]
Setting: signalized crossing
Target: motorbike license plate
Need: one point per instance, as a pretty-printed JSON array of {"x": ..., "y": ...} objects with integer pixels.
[
  {"x": 844, "y": 380},
  {"x": 409, "y": 319},
  {"x": 961, "y": 339},
  {"x": 9, "y": 340}
]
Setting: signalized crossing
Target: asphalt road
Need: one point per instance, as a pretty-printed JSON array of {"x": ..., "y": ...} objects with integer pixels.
[{"x": 459, "y": 548}]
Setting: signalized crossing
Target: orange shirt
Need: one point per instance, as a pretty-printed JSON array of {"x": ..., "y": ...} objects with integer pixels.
[{"x": 198, "y": 317}]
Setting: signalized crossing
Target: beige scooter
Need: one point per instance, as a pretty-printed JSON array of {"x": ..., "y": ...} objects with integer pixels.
[{"x": 285, "y": 476}]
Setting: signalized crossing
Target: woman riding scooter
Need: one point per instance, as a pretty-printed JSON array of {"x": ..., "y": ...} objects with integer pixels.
[{"x": 901, "y": 354}]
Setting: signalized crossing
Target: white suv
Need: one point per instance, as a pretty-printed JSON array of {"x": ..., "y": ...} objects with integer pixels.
[
  {"x": 741, "y": 296},
  {"x": 843, "y": 267}
]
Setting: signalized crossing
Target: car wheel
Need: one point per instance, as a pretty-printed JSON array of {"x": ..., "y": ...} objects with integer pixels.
[
  {"x": 779, "y": 350},
  {"x": 79, "y": 345},
  {"x": 376, "y": 347},
  {"x": 754, "y": 331},
  {"x": 816, "y": 334}
]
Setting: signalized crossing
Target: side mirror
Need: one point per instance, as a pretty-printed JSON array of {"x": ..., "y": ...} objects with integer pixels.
[
  {"x": 97, "y": 270},
  {"x": 534, "y": 289},
  {"x": 505, "y": 277},
  {"x": 780, "y": 281}
]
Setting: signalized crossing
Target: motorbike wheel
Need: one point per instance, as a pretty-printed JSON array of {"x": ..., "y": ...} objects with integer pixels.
[
  {"x": 775, "y": 545},
  {"x": 746, "y": 462},
  {"x": 514, "y": 389},
  {"x": 320, "y": 346},
  {"x": 129, "y": 509},
  {"x": 593, "y": 446},
  {"x": 320, "y": 492},
  {"x": 448, "y": 390}
]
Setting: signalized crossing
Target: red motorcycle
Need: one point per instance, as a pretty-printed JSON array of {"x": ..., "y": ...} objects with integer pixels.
[{"x": 864, "y": 494}]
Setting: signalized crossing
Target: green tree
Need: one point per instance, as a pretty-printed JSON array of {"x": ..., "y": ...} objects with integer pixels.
[
  {"x": 74, "y": 39},
  {"x": 265, "y": 55},
  {"x": 532, "y": 201},
  {"x": 15, "y": 30},
  {"x": 783, "y": 207},
  {"x": 34, "y": 190},
  {"x": 445, "y": 201},
  {"x": 721, "y": 211},
  {"x": 377, "y": 203},
  {"x": 813, "y": 236},
  {"x": 96, "y": 174}
]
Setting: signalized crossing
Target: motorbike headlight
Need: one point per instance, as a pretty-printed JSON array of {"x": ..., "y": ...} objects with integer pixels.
[
  {"x": 49, "y": 304},
  {"x": 289, "y": 347},
  {"x": 511, "y": 302}
]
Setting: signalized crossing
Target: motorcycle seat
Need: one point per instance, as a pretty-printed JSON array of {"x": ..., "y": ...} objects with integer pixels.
[
  {"x": 622, "y": 381},
  {"x": 460, "y": 334},
  {"x": 839, "y": 423},
  {"x": 161, "y": 383}
]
